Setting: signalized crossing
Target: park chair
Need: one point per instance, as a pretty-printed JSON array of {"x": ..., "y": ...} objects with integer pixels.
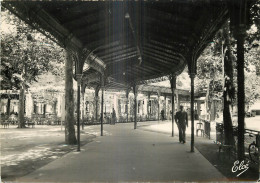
[
  {"x": 200, "y": 127},
  {"x": 5, "y": 123}
]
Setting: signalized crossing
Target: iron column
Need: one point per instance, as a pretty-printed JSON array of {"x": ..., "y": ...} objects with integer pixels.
[
  {"x": 135, "y": 104},
  {"x": 173, "y": 87},
  {"x": 79, "y": 76},
  {"x": 192, "y": 76},
  {"x": 240, "y": 92},
  {"x": 102, "y": 102}
]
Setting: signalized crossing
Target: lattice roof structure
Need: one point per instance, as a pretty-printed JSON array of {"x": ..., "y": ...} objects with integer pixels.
[{"x": 128, "y": 42}]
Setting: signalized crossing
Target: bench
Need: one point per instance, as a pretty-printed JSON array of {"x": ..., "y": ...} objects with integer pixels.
[
  {"x": 31, "y": 124},
  {"x": 5, "y": 124}
]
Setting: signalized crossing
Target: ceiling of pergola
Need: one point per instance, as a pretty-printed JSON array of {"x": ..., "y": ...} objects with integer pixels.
[{"x": 136, "y": 41}]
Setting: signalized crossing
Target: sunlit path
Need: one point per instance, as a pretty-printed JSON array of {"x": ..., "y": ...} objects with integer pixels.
[{"x": 125, "y": 154}]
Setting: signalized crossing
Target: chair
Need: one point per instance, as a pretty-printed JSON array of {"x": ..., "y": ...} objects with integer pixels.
[{"x": 200, "y": 127}]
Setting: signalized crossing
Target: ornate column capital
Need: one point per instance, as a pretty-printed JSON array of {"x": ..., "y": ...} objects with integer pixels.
[
  {"x": 135, "y": 88},
  {"x": 79, "y": 79},
  {"x": 83, "y": 87},
  {"x": 173, "y": 79},
  {"x": 192, "y": 75}
]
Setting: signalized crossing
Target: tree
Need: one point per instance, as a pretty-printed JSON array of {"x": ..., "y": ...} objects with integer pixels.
[
  {"x": 209, "y": 77},
  {"x": 229, "y": 89},
  {"x": 220, "y": 56},
  {"x": 25, "y": 54}
]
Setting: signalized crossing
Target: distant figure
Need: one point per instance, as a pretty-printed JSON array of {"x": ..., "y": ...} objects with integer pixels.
[
  {"x": 162, "y": 115},
  {"x": 181, "y": 119},
  {"x": 114, "y": 116}
]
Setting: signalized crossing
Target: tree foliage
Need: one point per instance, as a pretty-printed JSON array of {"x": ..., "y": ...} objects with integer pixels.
[
  {"x": 26, "y": 54},
  {"x": 210, "y": 73}
]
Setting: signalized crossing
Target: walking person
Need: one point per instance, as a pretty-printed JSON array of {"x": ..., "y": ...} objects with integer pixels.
[{"x": 181, "y": 119}]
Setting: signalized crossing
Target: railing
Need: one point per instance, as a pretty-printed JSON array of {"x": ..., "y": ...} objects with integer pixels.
[{"x": 251, "y": 141}]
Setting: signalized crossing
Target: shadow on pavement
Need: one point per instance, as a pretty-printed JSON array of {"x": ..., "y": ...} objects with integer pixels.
[{"x": 224, "y": 162}]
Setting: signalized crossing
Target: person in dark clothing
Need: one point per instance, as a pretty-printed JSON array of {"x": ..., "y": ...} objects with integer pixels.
[
  {"x": 181, "y": 119},
  {"x": 162, "y": 115}
]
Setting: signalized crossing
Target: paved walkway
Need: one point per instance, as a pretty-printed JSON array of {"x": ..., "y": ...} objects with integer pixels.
[{"x": 124, "y": 154}]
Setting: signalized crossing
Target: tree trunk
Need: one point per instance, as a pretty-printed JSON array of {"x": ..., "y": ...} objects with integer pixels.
[
  {"x": 207, "y": 101},
  {"x": 8, "y": 106},
  {"x": 21, "y": 123},
  {"x": 228, "y": 93},
  {"x": 70, "y": 137},
  {"x": 44, "y": 110}
]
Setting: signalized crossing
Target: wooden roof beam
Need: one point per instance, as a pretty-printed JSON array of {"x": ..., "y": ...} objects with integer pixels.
[
  {"x": 173, "y": 9},
  {"x": 91, "y": 27},
  {"x": 117, "y": 53},
  {"x": 150, "y": 61},
  {"x": 150, "y": 68},
  {"x": 164, "y": 48},
  {"x": 88, "y": 18},
  {"x": 159, "y": 58},
  {"x": 147, "y": 69},
  {"x": 163, "y": 55},
  {"x": 166, "y": 44},
  {"x": 102, "y": 31},
  {"x": 126, "y": 57},
  {"x": 177, "y": 36},
  {"x": 111, "y": 50},
  {"x": 102, "y": 35},
  {"x": 175, "y": 27},
  {"x": 168, "y": 69},
  {"x": 106, "y": 46},
  {"x": 167, "y": 39},
  {"x": 167, "y": 17}
]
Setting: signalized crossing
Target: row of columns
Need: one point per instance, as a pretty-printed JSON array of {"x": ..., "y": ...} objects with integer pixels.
[
  {"x": 145, "y": 108},
  {"x": 69, "y": 107},
  {"x": 239, "y": 35}
]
